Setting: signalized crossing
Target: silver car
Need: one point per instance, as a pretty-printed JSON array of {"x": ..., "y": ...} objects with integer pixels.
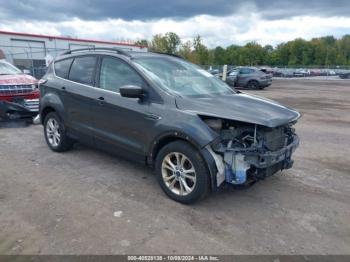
[{"x": 248, "y": 77}]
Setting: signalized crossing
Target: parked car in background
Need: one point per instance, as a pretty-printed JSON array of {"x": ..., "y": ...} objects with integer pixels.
[
  {"x": 248, "y": 77},
  {"x": 345, "y": 75},
  {"x": 284, "y": 72},
  {"x": 331, "y": 73},
  {"x": 19, "y": 94},
  {"x": 315, "y": 72},
  {"x": 327, "y": 72},
  {"x": 231, "y": 78},
  {"x": 277, "y": 72},
  {"x": 301, "y": 73},
  {"x": 196, "y": 131},
  {"x": 214, "y": 71},
  {"x": 267, "y": 70}
]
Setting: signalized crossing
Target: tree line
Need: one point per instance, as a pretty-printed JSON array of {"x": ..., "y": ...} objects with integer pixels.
[{"x": 322, "y": 51}]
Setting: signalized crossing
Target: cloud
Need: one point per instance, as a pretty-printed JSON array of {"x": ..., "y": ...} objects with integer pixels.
[
  {"x": 96, "y": 10},
  {"x": 219, "y": 22},
  {"x": 224, "y": 31}
]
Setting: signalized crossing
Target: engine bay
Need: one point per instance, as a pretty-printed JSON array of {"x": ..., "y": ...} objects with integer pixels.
[{"x": 250, "y": 152}]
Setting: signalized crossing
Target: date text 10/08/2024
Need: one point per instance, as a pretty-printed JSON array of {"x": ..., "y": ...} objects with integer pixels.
[{"x": 173, "y": 258}]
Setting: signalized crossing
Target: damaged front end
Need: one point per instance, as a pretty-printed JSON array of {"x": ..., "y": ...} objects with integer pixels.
[
  {"x": 245, "y": 153},
  {"x": 19, "y": 102},
  {"x": 15, "y": 111}
]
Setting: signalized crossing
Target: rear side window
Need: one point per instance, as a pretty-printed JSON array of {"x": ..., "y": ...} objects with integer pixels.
[
  {"x": 62, "y": 68},
  {"x": 83, "y": 69},
  {"x": 116, "y": 73},
  {"x": 245, "y": 71}
]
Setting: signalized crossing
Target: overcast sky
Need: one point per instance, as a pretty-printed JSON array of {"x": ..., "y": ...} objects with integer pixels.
[{"x": 219, "y": 22}]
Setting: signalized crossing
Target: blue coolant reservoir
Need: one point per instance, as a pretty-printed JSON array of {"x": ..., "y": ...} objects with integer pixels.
[
  {"x": 236, "y": 171},
  {"x": 241, "y": 176}
]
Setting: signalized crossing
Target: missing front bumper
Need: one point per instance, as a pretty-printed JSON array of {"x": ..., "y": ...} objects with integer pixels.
[
  {"x": 270, "y": 158},
  {"x": 236, "y": 167}
]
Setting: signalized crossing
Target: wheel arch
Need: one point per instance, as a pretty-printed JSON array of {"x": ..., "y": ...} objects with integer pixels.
[
  {"x": 51, "y": 103},
  {"x": 167, "y": 138},
  {"x": 253, "y": 81},
  {"x": 45, "y": 112}
]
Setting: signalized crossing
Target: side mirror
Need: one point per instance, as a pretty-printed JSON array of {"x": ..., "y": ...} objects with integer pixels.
[{"x": 131, "y": 91}]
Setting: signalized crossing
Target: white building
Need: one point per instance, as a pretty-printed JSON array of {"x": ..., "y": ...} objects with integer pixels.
[{"x": 33, "y": 52}]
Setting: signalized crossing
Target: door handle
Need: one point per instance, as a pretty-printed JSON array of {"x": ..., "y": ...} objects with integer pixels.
[
  {"x": 64, "y": 90},
  {"x": 101, "y": 100},
  {"x": 153, "y": 117}
]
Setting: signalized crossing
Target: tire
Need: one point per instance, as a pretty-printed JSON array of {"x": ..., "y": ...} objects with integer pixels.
[
  {"x": 196, "y": 185},
  {"x": 55, "y": 134},
  {"x": 252, "y": 84}
]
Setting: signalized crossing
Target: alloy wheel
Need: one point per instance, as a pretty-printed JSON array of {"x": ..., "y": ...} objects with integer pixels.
[
  {"x": 253, "y": 85},
  {"x": 53, "y": 132},
  {"x": 178, "y": 173}
]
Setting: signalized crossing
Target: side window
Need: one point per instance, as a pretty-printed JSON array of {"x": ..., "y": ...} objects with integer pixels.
[
  {"x": 62, "y": 67},
  {"x": 116, "y": 73},
  {"x": 244, "y": 71},
  {"x": 82, "y": 70},
  {"x": 233, "y": 73}
]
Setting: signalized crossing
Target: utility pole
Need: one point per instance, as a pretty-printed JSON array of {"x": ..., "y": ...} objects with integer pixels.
[{"x": 224, "y": 73}]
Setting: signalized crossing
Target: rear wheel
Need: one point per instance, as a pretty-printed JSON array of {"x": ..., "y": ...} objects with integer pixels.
[
  {"x": 55, "y": 134},
  {"x": 253, "y": 84},
  {"x": 182, "y": 172}
]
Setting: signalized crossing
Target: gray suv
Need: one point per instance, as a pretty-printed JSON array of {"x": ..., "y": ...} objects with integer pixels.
[
  {"x": 248, "y": 77},
  {"x": 197, "y": 132}
]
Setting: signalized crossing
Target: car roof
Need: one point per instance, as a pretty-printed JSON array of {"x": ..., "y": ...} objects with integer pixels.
[
  {"x": 244, "y": 67},
  {"x": 4, "y": 62}
]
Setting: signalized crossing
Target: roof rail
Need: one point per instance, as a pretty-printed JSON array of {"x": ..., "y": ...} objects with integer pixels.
[
  {"x": 117, "y": 50},
  {"x": 170, "y": 54}
]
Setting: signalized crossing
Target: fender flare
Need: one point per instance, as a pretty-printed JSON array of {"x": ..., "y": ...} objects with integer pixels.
[
  {"x": 178, "y": 135},
  {"x": 168, "y": 136},
  {"x": 51, "y": 101}
]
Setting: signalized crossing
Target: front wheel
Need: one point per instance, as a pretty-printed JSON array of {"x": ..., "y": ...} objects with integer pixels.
[
  {"x": 253, "y": 84},
  {"x": 182, "y": 172}
]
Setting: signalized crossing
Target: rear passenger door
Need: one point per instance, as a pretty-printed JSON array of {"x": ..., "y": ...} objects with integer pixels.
[{"x": 78, "y": 95}]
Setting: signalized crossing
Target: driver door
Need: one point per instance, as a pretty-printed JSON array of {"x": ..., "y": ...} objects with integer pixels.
[
  {"x": 244, "y": 76},
  {"x": 120, "y": 124}
]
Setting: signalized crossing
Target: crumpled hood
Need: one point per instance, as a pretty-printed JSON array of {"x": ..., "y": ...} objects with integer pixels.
[
  {"x": 240, "y": 107},
  {"x": 17, "y": 80}
]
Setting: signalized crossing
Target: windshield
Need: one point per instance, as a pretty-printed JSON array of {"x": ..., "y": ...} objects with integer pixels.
[
  {"x": 8, "y": 69},
  {"x": 181, "y": 77}
]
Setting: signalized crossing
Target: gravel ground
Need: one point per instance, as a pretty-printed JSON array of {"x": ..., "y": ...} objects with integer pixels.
[{"x": 87, "y": 202}]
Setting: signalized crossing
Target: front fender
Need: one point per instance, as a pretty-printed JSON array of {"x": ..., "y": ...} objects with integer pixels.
[
  {"x": 187, "y": 127},
  {"x": 170, "y": 136}
]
